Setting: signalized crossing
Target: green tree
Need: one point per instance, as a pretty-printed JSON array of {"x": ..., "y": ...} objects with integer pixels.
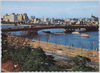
[
  {"x": 21, "y": 54},
  {"x": 7, "y": 52},
  {"x": 4, "y": 41},
  {"x": 4, "y": 45},
  {"x": 39, "y": 61},
  {"x": 79, "y": 63}
]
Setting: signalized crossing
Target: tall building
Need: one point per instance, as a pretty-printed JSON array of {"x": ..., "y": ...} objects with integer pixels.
[
  {"x": 93, "y": 18},
  {"x": 32, "y": 18},
  {"x": 36, "y": 20},
  {"x": 15, "y": 18},
  {"x": 46, "y": 19},
  {"x": 22, "y": 17},
  {"x": 10, "y": 18},
  {"x": 25, "y": 17}
]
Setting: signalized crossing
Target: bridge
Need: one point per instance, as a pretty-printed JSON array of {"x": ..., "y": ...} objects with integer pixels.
[{"x": 37, "y": 28}]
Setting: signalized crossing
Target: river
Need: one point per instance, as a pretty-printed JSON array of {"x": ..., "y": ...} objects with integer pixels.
[{"x": 67, "y": 38}]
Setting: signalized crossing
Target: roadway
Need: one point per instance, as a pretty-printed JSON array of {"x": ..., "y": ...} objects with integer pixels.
[{"x": 65, "y": 58}]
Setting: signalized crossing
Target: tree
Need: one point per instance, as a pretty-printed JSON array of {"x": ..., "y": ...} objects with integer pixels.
[
  {"x": 4, "y": 44},
  {"x": 21, "y": 54},
  {"x": 79, "y": 63},
  {"x": 7, "y": 50},
  {"x": 39, "y": 61},
  {"x": 31, "y": 59}
]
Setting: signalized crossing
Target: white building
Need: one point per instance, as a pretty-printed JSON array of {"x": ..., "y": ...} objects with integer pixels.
[
  {"x": 13, "y": 17},
  {"x": 10, "y": 18}
]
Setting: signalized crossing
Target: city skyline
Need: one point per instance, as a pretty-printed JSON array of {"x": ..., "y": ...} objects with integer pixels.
[{"x": 67, "y": 9}]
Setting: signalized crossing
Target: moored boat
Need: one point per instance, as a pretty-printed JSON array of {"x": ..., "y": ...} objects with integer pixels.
[
  {"x": 84, "y": 35},
  {"x": 59, "y": 33},
  {"x": 46, "y": 31},
  {"x": 75, "y": 32}
]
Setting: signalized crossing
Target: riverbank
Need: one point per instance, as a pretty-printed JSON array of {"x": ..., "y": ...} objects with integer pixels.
[
  {"x": 57, "y": 48},
  {"x": 67, "y": 50}
]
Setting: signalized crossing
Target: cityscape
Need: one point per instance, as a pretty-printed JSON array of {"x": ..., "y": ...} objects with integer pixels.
[
  {"x": 24, "y": 19},
  {"x": 36, "y": 37}
]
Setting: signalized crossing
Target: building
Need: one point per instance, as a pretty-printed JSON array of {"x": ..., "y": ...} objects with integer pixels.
[
  {"x": 25, "y": 17},
  {"x": 46, "y": 19},
  {"x": 79, "y": 22},
  {"x": 93, "y": 18},
  {"x": 36, "y": 20},
  {"x": 10, "y": 18},
  {"x": 15, "y": 18},
  {"x": 32, "y": 18},
  {"x": 22, "y": 17}
]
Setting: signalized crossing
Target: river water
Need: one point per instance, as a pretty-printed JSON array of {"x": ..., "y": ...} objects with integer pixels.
[{"x": 67, "y": 38}]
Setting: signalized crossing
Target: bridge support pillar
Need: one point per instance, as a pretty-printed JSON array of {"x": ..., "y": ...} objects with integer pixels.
[
  {"x": 69, "y": 30},
  {"x": 92, "y": 29},
  {"x": 32, "y": 32}
]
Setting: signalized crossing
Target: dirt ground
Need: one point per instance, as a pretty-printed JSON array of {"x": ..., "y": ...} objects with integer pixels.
[{"x": 8, "y": 66}]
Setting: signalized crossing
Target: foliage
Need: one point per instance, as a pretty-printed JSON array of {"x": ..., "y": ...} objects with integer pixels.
[
  {"x": 4, "y": 47},
  {"x": 20, "y": 55},
  {"x": 4, "y": 41},
  {"x": 4, "y": 44},
  {"x": 83, "y": 68},
  {"x": 80, "y": 63},
  {"x": 39, "y": 61},
  {"x": 31, "y": 59}
]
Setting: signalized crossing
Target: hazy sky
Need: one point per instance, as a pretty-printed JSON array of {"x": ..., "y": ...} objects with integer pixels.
[{"x": 65, "y": 9}]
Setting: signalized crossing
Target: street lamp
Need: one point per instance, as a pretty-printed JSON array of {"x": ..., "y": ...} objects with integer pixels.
[
  {"x": 93, "y": 48},
  {"x": 50, "y": 38}
]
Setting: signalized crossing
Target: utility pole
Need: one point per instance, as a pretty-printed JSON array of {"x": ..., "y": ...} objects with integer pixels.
[
  {"x": 97, "y": 49},
  {"x": 65, "y": 43},
  {"x": 58, "y": 43},
  {"x": 69, "y": 46},
  {"x": 81, "y": 49},
  {"x": 93, "y": 48},
  {"x": 50, "y": 38}
]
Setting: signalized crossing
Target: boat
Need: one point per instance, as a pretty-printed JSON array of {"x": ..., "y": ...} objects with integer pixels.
[
  {"x": 75, "y": 32},
  {"x": 84, "y": 35},
  {"x": 46, "y": 31}
]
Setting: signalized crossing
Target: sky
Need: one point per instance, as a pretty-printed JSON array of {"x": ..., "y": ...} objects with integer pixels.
[{"x": 50, "y": 9}]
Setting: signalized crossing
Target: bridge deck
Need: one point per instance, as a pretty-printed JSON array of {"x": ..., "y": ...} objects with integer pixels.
[{"x": 47, "y": 27}]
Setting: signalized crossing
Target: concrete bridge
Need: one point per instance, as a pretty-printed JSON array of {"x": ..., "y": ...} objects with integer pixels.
[{"x": 37, "y": 28}]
